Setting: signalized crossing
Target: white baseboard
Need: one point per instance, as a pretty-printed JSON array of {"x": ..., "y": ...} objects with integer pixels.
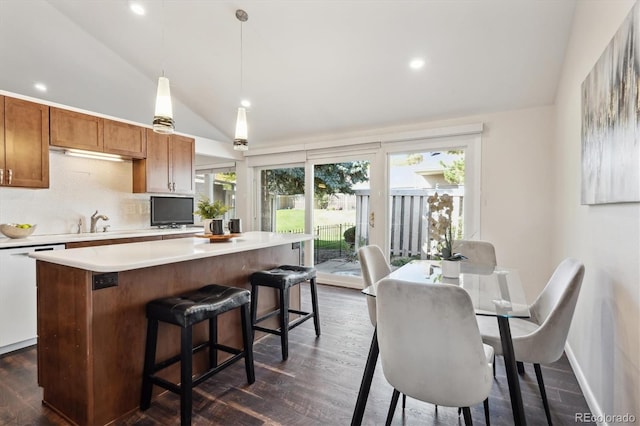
[
  {"x": 16, "y": 346},
  {"x": 593, "y": 404}
]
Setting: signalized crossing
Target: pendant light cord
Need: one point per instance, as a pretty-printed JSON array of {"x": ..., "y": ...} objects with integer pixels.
[{"x": 241, "y": 62}]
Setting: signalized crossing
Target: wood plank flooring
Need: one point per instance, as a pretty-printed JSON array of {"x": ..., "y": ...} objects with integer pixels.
[{"x": 318, "y": 384}]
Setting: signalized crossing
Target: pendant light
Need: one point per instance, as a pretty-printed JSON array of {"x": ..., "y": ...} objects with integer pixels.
[
  {"x": 240, "y": 140},
  {"x": 163, "y": 117}
]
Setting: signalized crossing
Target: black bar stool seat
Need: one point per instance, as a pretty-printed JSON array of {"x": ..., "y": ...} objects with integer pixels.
[
  {"x": 282, "y": 279},
  {"x": 185, "y": 311}
]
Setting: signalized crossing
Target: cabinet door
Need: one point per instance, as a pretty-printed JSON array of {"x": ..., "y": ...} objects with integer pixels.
[
  {"x": 26, "y": 144},
  {"x": 156, "y": 164},
  {"x": 182, "y": 164},
  {"x": 124, "y": 139},
  {"x": 71, "y": 129}
]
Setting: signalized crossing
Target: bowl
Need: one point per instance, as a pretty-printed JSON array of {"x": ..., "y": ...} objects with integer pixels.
[{"x": 11, "y": 230}]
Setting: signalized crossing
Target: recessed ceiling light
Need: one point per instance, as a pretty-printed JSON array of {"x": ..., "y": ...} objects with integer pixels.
[
  {"x": 245, "y": 103},
  {"x": 137, "y": 8},
  {"x": 416, "y": 63},
  {"x": 40, "y": 86}
]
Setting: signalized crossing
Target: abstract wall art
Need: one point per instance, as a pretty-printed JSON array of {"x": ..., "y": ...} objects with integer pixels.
[{"x": 611, "y": 120}]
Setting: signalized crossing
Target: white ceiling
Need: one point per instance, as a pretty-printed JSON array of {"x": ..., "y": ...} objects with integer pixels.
[{"x": 310, "y": 67}]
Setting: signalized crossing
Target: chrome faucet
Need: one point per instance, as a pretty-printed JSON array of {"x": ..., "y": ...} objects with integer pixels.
[{"x": 94, "y": 219}]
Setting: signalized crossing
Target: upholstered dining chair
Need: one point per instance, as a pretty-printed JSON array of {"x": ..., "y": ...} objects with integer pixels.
[
  {"x": 541, "y": 339},
  {"x": 430, "y": 345},
  {"x": 477, "y": 253},
  {"x": 374, "y": 267}
]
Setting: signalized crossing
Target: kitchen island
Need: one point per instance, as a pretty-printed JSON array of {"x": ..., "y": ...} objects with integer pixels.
[{"x": 91, "y": 313}]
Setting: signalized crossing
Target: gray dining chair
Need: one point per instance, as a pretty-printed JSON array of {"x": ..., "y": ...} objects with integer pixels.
[
  {"x": 430, "y": 345},
  {"x": 374, "y": 267},
  {"x": 477, "y": 253},
  {"x": 541, "y": 339}
]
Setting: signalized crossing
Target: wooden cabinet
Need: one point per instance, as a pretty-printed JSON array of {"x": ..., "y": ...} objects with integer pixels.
[
  {"x": 70, "y": 129},
  {"x": 124, "y": 139},
  {"x": 169, "y": 166},
  {"x": 94, "y": 243},
  {"x": 24, "y": 143}
]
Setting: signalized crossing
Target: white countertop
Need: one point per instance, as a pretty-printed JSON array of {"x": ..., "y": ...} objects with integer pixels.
[
  {"x": 36, "y": 240},
  {"x": 124, "y": 257}
]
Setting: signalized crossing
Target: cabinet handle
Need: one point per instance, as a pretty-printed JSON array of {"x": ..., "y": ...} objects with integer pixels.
[
  {"x": 10, "y": 176},
  {"x": 1, "y": 176},
  {"x": 173, "y": 187},
  {"x": 169, "y": 186}
]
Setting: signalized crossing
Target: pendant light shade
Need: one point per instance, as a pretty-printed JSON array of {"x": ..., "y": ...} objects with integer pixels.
[
  {"x": 240, "y": 141},
  {"x": 163, "y": 117}
]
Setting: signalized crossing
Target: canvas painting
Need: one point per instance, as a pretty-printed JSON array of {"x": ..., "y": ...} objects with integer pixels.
[{"x": 611, "y": 119}]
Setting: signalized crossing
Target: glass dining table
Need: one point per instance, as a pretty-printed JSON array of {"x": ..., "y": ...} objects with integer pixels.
[{"x": 496, "y": 292}]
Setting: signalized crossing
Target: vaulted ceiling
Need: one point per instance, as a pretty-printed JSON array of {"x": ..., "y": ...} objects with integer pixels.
[{"x": 310, "y": 67}]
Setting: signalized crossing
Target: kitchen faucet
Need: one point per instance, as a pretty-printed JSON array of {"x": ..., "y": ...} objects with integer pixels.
[{"x": 94, "y": 219}]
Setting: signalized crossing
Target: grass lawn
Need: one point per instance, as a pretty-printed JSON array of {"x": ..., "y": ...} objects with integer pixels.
[{"x": 293, "y": 219}]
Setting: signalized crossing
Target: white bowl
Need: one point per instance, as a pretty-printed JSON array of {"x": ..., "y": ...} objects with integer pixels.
[{"x": 12, "y": 231}]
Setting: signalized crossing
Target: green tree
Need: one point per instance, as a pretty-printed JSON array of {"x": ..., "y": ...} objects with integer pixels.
[
  {"x": 329, "y": 179},
  {"x": 454, "y": 171}
]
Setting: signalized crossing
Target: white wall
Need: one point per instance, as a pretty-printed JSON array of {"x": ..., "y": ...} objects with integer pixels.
[
  {"x": 78, "y": 187},
  {"x": 605, "y": 333}
]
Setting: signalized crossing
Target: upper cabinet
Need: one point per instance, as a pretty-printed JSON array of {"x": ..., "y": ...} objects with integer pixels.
[
  {"x": 70, "y": 129},
  {"x": 169, "y": 166},
  {"x": 124, "y": 139},
  {"x": 24, "y": 143}
]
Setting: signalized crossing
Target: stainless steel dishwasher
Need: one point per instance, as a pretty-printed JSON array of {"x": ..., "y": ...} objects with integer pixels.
[{"x": 18, "y": 297}]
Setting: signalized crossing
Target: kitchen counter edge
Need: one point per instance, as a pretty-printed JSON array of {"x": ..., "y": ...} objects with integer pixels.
[{"x": 129, "y": 256}]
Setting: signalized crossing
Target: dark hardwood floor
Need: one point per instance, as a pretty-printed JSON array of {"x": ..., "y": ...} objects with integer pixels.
[{"x": 318, "y": 384}]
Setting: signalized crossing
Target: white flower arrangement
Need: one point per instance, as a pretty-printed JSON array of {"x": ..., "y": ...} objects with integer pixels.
[{"x": 440, "y": 223}]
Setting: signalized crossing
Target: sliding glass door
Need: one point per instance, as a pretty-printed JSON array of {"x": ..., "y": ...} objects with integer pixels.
[{"x": 340, "y": 217}]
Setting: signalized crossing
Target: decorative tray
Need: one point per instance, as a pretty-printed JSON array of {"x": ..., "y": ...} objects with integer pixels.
[{"x": 217, "y": 238}]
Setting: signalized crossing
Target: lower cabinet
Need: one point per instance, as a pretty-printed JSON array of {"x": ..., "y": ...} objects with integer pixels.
[{"x": 79, "y": 244}]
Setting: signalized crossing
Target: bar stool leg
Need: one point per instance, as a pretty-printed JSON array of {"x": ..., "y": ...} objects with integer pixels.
[
  {"x": 149, "y": 361},
  {"x": 213, "y": 340},
  {"x": 314, "y": 303},
  {"x": 254, "y": 309},
  {"x": 284, "y": 322},
  {"x": 186, "y": 379},
  {"x": 247, "y": 341}
]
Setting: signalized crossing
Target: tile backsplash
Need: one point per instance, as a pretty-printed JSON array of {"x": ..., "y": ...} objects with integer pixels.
[{"x": 77, "y": 188}]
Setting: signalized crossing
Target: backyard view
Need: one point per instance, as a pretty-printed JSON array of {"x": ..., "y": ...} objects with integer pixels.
[{"x": 341, "y": 205}]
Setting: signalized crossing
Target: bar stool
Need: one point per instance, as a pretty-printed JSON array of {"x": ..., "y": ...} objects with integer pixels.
[
  {"x": 282, "y": 279},
  {"x": 185, "y": 311}
]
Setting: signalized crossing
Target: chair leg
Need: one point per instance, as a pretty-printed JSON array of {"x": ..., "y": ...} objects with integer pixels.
[
  {"x": 392, "y": 407},
  {"x": 213, "y": 340},
  {"x": 487, "y": 419},
  {"x": 149, "y": 362},
  {"x": 254, "y": 309},
  {"x": 404, "y": 401},
  {"x": 494, "y": 366},
  {"x": 466, "y": 412},
  {"x": 247, "y": 341},
  {"x": 284, "y": 322},
  {"x": 520, "y": 366},
  {"x": 314, "y": 303},
  {"x": 543, "y": 393},
  {"x": 186, "y": 378}
]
